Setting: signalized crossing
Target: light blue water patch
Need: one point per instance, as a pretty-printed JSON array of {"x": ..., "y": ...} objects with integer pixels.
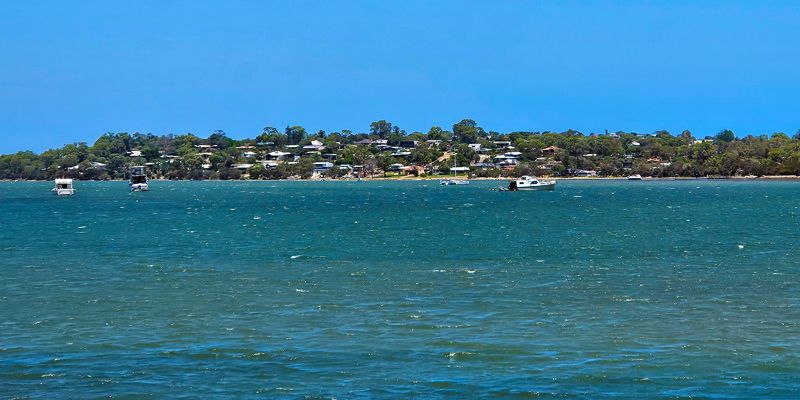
[{"x": 602, "y": 289}]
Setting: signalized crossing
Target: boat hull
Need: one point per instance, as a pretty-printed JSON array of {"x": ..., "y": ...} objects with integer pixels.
[
  {"x": 547, "y": 186},
  {"x": 64, "y": 192},
  {"x": 139, "y": 187}
]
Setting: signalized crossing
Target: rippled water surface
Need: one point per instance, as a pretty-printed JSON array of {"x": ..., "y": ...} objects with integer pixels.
[{"x": 671, "y": 289}]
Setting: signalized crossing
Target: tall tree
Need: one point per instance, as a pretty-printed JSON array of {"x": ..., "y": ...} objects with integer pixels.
[
  {"x": 295, "y": 134},
  {"x": 381, "y": 128},
  {"x": 725, "y": 135},
  {"x": 467, "y": 131}
]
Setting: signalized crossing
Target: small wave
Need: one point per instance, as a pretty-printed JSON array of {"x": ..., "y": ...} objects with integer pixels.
[{"x": 460, "y": 355}]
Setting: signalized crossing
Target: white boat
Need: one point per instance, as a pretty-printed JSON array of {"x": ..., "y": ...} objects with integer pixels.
[
  {"x": 635, "y": 177},
  {"x": 138, "y": 179},
  {"x": 453, "y": 182},
  {"x": 531, "y": 183},
  {"x": 63, "y": 187}
]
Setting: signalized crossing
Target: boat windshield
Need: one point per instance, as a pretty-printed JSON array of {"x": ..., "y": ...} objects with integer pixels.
[{"x": 138, "y": 179}]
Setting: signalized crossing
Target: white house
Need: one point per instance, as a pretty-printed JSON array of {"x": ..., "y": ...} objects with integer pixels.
[
  {"x": 242, "y": 167},
  {"x": 322, "y": 166},
  {"x": 279, "y": 155}
]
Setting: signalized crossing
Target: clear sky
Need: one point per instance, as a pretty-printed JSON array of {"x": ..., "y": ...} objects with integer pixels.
[{"x": 72, "y": 70}]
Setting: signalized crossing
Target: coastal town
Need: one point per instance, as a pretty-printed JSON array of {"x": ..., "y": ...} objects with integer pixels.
[{"x": 386, "y": 151}]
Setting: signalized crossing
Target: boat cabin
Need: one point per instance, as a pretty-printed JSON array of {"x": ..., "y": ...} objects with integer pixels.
[{"x": 63, "y": 187}]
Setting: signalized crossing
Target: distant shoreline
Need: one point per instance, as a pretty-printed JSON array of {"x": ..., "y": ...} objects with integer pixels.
[{"x": 435, "y": 178}]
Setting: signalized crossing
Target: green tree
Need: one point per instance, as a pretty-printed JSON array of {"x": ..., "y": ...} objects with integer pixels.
[
  {"x": 295, "y": 134},
  {"x": 381, "y": 128},
  {"x": 467, "y": 131},
  {"x": 726, "y": 135}
]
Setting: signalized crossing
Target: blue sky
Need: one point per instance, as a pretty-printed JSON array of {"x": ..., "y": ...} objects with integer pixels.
[{"x": 70, "y": 71}]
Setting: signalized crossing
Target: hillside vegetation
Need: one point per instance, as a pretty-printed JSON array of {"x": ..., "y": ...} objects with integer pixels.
[{"x": 386, "y": 148}]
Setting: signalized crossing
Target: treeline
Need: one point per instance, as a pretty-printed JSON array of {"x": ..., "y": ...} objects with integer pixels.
[{"x": 293, "y": 152}]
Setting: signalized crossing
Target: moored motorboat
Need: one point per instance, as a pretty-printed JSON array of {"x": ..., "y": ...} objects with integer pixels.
[
  {"x": 635, "y": 177},
  {"x": 453, "y": 182},
  {"x": 138, "y": 179},
  {"x": 530, "y": 183},
  {"x": 63, "y": 187}
]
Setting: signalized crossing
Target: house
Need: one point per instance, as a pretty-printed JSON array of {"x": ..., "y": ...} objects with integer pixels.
[
  {"x": 395, "y": 167},
  {"x": 278, "y": 155},
  {"x": 99, "y": 166},
  {"x": 364, "y": 142},
  {"x": 315, "y": 145},
  {"x": 242, "y": 167},
  {"x": 330, "y": 156},
  {"x": 135, "y": 153},
  {"x": 483, "y": 165},
  {"x": 416, "y": 170},
  {"x": 503, "y": 160},
  {"x": 475, "y": 146},
  {"x": 170, "y": 157},
  {"x": 408, "y": 144},
  {"x": 585, "y": 172},
  {"x": 269, "y": 164},
  {"x": 550, "y": 150},
  {"x": 635, "y": 143},
  {"x": 322, "y": 166},
  {"x": 502, "y": 143},
  {"x": 432, "y": 142},
  {"x": 401, "y": 154},
  {"x": 384, "y": 147},
  {"x": 249, "y": 154}
]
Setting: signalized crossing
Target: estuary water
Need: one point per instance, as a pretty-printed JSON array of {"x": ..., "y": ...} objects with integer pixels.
[{"x": 600, "y": 289}]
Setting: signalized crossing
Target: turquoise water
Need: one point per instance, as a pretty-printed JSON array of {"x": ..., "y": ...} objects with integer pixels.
[{"x": 671, "y": 289}]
